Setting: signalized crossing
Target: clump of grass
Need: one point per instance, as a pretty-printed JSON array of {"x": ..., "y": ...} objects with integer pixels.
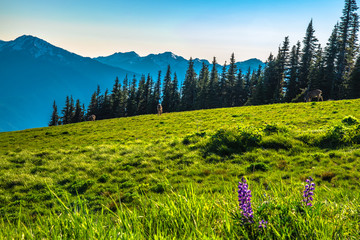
[
  {"x": 350, "y": 120},
  {"x": 327, "y": 176},
  {"x": 335, "y": 137},
  {"x": 272, "y": 128},
  {"x": 257, "y": 166},
  {"x": 228, "y": 142},
  {"x": 277, "y": 142}
]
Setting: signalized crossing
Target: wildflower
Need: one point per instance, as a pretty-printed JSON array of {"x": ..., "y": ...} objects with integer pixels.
[
  {"x": 308, "y": 192},
  {"x": 245, "y": 200},
  {"x": 262, "y": 224}
]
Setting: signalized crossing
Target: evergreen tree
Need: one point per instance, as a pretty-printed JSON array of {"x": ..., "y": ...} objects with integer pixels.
[
  {"x": 156, "y": 96},
  {"x": 54, "y": 121},
  {"x": 331, "y": 51},
  {"x": 282, "y": 71},
  {"x": 292, "y": 83},
  {"x": 131, "y": 102},
  {"x": 175, "y": 94},
  {"x": 83, "y": 113},
  {"x": 231, "y": 79},
  {"x": 188, "y": 98},
  {"x": 100, "y": 102},
  {"x": 203, "y": 87},
  {"x": 105, "y": 110},
  {"x": 212, "y": 98},
  {"x": 116, "y": 99},
  {"x": 256, "y": 88},
  {"x": 307, "y": 57},
  {"x": 354, "y": 81},
  {"x": 240, "y": 96},
  {"x": 79, "y": 113},
  {"x": 93, "y": 106},
  {"x": 124, "y": 97},
  {"x": 223, "y": 87},
  {"x": 213, "y": 87},
  {"x": 166, "y": 93},
  {"x": 347, "y": 38},
  {"x": 148, "y": 94},
  {"x": 270, "y": 80},
  {"x": 247, "y": 85},
  {"x": 68, "y": 110},
  {"x": 141, "y": 96},
  {"x": 72, "y": 109},
  {"x": 316, "y": 76}
]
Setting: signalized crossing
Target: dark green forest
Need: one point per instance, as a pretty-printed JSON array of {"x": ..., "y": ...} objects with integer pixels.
[{"x": 286, "y": 77}]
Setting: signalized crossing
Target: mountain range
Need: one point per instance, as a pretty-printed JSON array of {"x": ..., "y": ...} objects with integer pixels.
[
  {"x": 34, "y": 73},
  {"x": 153, "y": 63}
]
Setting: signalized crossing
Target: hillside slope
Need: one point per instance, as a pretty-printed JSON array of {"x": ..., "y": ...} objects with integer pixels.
[{"x": 133, "y": 160}]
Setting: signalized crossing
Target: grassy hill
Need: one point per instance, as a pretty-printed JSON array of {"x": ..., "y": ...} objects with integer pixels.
[{"x": 176, "y": 175}]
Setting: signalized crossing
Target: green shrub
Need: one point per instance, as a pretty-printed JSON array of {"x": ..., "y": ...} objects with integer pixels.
[
  {"x": 350, "y": 120},
  {"x": 158, "y": 188},
  {"x": 274, "y": 128},
  {"x": 335, "y": 137},
  {"x": 80, "y": 186},
  {"x": 193, "y": 138},
  {"x": 103, "y": 178},
  {"x": 355, "y": 134},
  {"x": 277, "y": 142},
  {"x": 258, "y": 166},
  {"x": 228, "y": 142}
]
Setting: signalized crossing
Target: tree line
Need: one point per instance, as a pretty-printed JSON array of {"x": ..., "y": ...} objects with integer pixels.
[{"x": 286, "y": 77}]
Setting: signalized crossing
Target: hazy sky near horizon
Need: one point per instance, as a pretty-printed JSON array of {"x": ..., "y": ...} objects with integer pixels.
[{"x": 190, "y": 28}]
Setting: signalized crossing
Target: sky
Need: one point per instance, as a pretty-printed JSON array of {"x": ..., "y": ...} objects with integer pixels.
[{"x": 189, "y": 28}]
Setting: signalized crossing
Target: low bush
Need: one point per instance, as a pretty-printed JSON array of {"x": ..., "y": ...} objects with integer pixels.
[
  {"x": 258, "y": 166},
  {"x": 228, "y": 142},
  {"x": 274, "y": 128},
  {"x": 277, "y": 142},
  {"x": 335, "y": 137},
  {"x": 350, "y": 120}
]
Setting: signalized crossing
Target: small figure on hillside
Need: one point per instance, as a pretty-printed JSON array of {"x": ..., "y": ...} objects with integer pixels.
[
  {"x": 159, "y": 109},
  {"x": 313, "y": 94},
  {"x": 92, "y": 117}
]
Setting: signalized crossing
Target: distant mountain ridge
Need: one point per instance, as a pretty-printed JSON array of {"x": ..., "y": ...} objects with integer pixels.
[
  {"x": 152, "y": 63},
  {"x": 34, "y": 73}
]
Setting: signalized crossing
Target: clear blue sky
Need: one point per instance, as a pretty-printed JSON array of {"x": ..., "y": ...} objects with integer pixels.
[{"x": 197, "y": 28}]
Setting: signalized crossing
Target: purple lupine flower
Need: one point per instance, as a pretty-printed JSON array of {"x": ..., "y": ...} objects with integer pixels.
[
  {"x": 308, "y": 192},
  {"x": 245, "y": 201},
  {"x": 262, "y": 224}
]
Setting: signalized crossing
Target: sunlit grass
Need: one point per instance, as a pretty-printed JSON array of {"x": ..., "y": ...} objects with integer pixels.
[{"x": 175, "y": 176}]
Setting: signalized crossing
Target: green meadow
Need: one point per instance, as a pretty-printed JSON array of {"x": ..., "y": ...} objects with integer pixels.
[{"x": 175, "y": 176}]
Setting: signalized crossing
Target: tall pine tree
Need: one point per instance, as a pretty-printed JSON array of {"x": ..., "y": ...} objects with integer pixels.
[
  {"x": 331, "y": 50},
  {"x": 203, "y": 87},
  {"x": 54, "y": 121},
  {"x": 213, "y": 87},
  {"x": 131, "y": 101},
  {"x": 167, "y": 91},
  {"x": 189, "y": 90},
  {"x": 292, "y": 83},
  {"x": 231, "y": 79},
  {"x": 347, "y": 38},
  {"x": 308, "y": 52}
]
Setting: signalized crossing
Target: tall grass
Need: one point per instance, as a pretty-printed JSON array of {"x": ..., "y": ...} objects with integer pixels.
[{"x": 187, "y": 215}]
